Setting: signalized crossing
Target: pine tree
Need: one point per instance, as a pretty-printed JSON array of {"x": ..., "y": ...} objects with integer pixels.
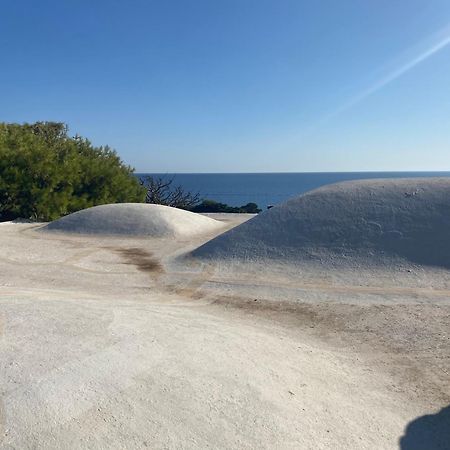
[{"x": 45, "y": 173}]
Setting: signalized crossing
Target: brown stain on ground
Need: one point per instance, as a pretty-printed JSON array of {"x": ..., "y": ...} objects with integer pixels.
[
  {"x": 192, "y": 289},
  {"x": 417, "y": 354},
  {"x": 343, "y": 289},
  {"x": 411, "y": 342},
  {"x": 142, "y": 259}
]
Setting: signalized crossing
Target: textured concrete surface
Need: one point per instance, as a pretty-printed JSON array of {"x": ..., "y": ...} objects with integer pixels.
[
  {"x": 127, "y": 342},
  {"x": 135, "y": 219},
  {"x": 368, "y": 222}
]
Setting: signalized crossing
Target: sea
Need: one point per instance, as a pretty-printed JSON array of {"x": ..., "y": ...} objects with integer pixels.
[{"x": 265, "y": 189}]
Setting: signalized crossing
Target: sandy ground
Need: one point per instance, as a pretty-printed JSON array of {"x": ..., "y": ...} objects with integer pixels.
[{"x": 114, "y": 342}]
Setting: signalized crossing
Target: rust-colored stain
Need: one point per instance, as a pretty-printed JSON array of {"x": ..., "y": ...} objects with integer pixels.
[{"x": 143, "y": 260}]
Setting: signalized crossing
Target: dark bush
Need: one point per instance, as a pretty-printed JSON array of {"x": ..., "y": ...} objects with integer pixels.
[
  {"x": 215, "y": 207},
  {"x": 45, "y": 173}
]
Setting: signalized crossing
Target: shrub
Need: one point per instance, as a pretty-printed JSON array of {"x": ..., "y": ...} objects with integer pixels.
[
  {"x": 216, "y": 207},
  {"x": 45, "y": 173}
]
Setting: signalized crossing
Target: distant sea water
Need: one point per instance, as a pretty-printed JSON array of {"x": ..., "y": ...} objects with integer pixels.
[{"x": 236, "y": 189}]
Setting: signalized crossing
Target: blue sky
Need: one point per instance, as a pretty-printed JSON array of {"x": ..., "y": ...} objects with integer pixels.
[{"x": 237, "y": 85}]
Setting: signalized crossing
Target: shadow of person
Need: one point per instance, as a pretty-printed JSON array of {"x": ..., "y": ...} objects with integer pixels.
[{"x": 431, "y": 432}]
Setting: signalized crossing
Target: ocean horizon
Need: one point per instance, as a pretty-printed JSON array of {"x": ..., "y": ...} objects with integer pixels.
[{"x": 270, "y": 188}]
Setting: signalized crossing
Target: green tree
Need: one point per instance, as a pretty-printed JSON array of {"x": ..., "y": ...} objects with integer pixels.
[
  {"x": 45, "y": 173},
  {"x": 211, "y": 206}
]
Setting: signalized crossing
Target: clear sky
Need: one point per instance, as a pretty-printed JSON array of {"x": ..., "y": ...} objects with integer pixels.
[{"x": 237, "y": 85}]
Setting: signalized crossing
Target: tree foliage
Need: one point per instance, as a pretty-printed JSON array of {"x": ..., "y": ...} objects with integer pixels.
[
  {"x": 207, "y": 206},
  {"x": 45, "y": 173}
]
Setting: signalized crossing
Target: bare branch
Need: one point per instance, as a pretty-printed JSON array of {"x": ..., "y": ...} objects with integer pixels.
[{"x": 161, "y": 192}]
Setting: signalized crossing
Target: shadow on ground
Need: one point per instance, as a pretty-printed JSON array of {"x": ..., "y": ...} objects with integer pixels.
[{"x": 431, "y": 432}]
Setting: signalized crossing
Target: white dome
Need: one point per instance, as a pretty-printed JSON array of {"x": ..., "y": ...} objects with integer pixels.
[
  {"x": 370, "y": 219},
  {"x": 135, "y": 219}
]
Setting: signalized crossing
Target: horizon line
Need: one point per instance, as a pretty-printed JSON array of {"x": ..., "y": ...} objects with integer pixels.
[{"x": 291, "y": 172}]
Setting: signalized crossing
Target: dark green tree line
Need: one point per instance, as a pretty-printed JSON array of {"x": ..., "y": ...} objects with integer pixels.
[{"x": 45, "y": 173}]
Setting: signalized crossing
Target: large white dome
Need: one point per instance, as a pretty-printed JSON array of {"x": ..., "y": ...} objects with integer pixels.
[
  {"x": 135, "y": 219},
  {"x": 344, "y": 222}
]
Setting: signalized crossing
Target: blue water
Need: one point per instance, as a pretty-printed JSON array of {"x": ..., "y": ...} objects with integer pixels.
[{"x": 265, "y": 189}]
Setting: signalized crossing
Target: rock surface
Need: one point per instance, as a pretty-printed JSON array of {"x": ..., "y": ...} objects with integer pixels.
[
  {"x": 114, "y": 342},
  {"x": 367, "y": 220},
  {"x": 135, "y": 219}
]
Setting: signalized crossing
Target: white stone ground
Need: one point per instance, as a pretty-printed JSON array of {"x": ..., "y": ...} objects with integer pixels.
[{"x": 121, "y": 342}]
